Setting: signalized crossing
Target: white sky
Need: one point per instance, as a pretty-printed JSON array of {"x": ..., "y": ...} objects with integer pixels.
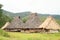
[{"x": 39, "y": 6}]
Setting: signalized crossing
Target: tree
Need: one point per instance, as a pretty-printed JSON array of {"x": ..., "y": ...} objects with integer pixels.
[
  {"x": 1, "y": 5},
  {"x": 24, "y": 19},
  {"x": 3, "y": 17},
  {"x": 0, "y": 10}
]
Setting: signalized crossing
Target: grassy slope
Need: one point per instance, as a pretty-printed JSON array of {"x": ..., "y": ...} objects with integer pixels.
[{"x": 32, "y": 36}]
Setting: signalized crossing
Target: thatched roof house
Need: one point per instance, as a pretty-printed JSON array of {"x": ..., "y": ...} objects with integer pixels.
[
  {"x": 50, "y": 23},
  {"x": 33, "y": 21},
  {"x": 31, "y": 24},
  {"x": 15, "y": 24}
]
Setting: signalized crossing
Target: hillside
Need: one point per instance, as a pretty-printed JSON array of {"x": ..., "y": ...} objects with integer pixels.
[
  {"x": 24, "y": 14},
  {"x": 3, "y": 18},
  {"x": 8, "y": 13}
]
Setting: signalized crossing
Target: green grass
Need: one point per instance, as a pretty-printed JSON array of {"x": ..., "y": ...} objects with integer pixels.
[
  {"x": 31, "y": 36},
  {"x": 34, "y": 36},
  {"x": 3, "y": 33}
]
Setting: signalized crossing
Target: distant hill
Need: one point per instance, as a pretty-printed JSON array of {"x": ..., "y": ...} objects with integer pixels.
[
  {"x": 23, "y": 14},
  {"x": 8, "y": 13}
]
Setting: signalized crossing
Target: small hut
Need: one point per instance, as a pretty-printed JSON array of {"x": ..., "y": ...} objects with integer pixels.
[
  {"x": 33, "y": 22},
  {"x": 15, "y": 25},
  {"x": 50, "y": 25}
]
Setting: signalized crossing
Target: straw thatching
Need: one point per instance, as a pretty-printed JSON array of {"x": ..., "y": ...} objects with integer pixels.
[
  {"x": 33, "y": 21},
  {"x": 7, "y": 23},
  {"x": 50, "y": 23},
  {"x": 15, "y": 24}
]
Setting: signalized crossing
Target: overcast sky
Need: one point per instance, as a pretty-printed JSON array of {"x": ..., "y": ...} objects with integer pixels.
[{"x": 39, "y": 6}]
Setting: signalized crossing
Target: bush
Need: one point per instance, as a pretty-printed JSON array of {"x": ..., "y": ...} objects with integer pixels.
[{"x": 3, "y": 33}]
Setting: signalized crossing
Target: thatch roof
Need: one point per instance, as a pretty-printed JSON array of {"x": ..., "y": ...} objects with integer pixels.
[
  {"x": 33, "y": 21},
  {"x": 15, "y": 23},
  {"x": 50, "y": 23},
  {"x": 7, "y": 23}
]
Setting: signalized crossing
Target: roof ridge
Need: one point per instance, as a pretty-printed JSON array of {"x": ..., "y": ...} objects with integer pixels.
[{"x": 49, "y": 22}]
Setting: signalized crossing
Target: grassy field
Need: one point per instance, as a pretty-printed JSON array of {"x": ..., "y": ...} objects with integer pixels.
[{"x": 31, "y": 36}]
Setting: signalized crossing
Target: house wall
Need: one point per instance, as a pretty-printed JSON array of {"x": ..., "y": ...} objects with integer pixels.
[
  {"x": 32, "y": 30},
  {"x": 53, "y": 31},
  {"x": 27, "y": 30}
]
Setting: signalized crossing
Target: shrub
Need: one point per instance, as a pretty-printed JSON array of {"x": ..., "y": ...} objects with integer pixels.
[{"x": 3, "y": 33}]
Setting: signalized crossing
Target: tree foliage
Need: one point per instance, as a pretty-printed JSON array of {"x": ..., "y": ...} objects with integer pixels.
[
  {"x": 3, "y": 18},
  {"x": 24, "y": 19},
  {"x": 0, "y": 10}
]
